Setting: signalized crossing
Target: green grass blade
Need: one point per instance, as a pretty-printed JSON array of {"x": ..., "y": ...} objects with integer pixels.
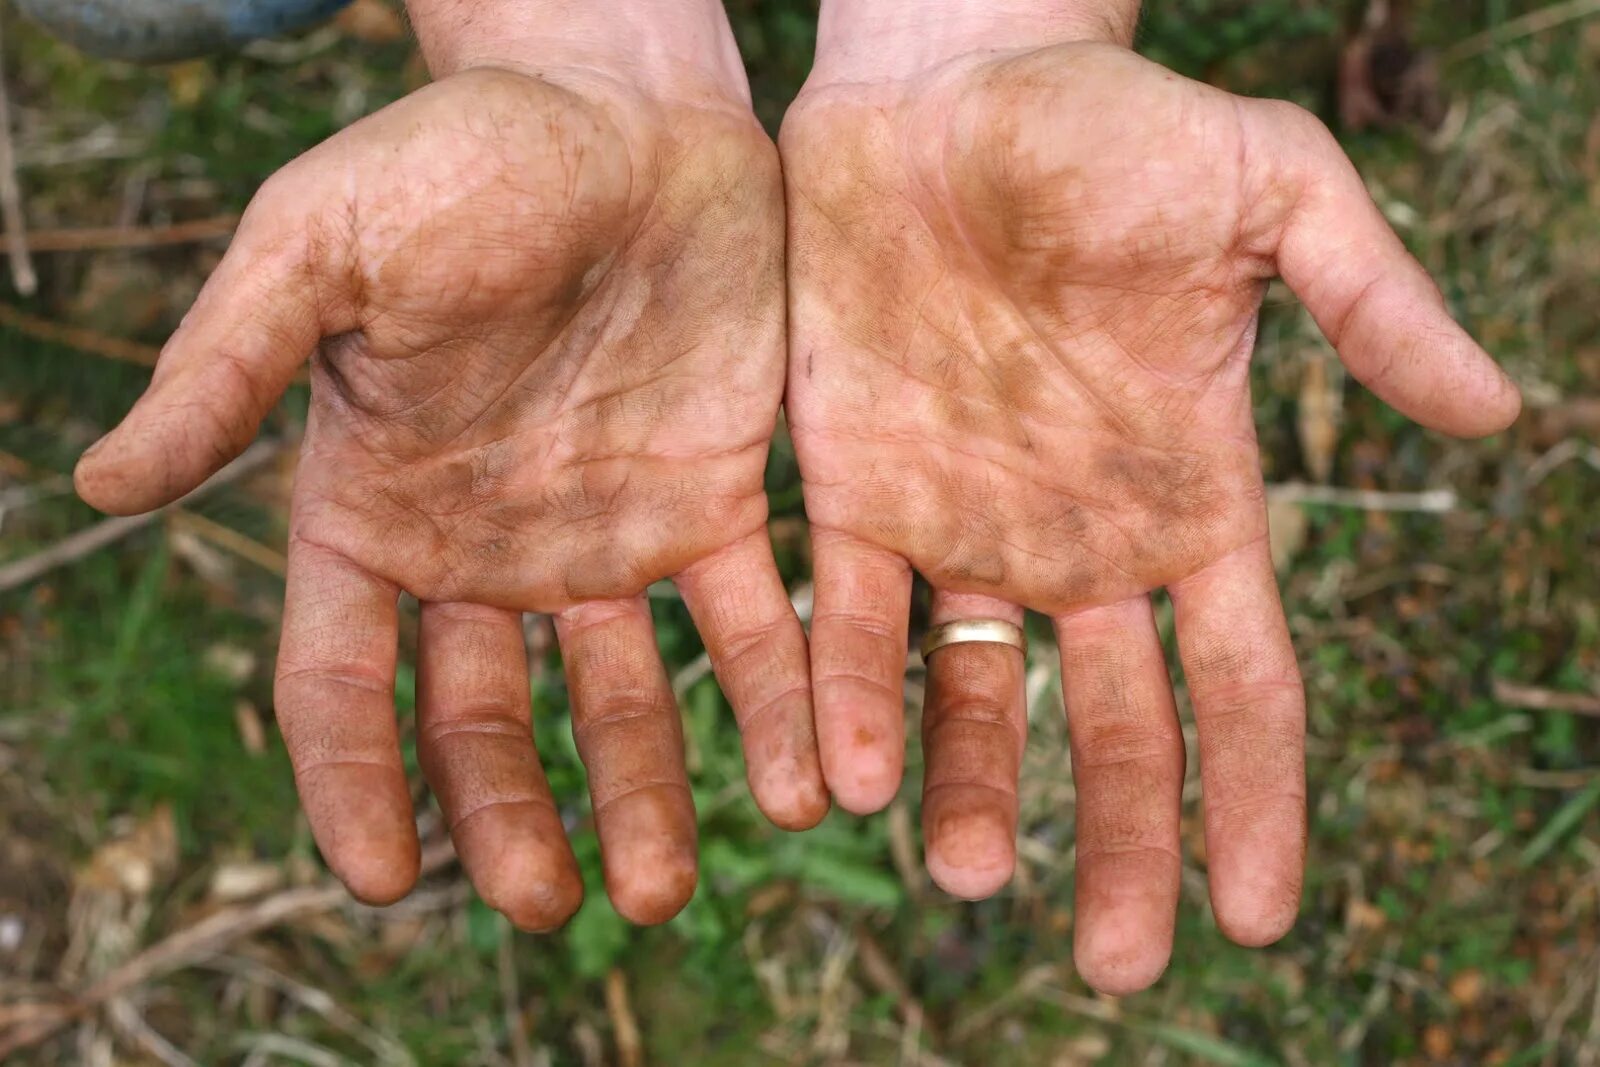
[{"x": 1561, "y": 824}]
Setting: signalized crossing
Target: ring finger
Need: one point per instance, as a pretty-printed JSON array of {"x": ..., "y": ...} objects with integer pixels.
[
  {"x": 475, "y": 742},
  {"x": 630, "y": 739},
  {"x": 974, "y": 728}
]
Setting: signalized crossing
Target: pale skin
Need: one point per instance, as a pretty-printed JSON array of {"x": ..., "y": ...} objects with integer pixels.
[
  {"x": 544, "y": 308},
  {"x": 1025, "y": 267}
]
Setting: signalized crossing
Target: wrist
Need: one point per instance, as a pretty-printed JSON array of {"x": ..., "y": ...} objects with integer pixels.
[
  {"x": 668, "y": 49},
  {"x": 883, "y": 40}
]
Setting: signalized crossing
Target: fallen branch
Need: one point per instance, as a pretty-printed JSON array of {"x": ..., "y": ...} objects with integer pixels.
[
  {"x": 90, "y": 341},
  {"x": 1565, "y": 452},
  {"x": 96, "y": 537},
  {"x": 204, "y": 939},
  {"x": 1433, "y": 502},
  {"x": 1536, "y": 699},
  {"x": 22, "y": 273},
  {"x": 231, "y": 540},
  {"x": 99, "y": 238},
  {"x": 624, "y": 1027},
  {"x": 1529, "y": 25}
]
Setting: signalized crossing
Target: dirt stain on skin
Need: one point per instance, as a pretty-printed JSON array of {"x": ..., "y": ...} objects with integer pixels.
[{"x": 1018, "y": 398}]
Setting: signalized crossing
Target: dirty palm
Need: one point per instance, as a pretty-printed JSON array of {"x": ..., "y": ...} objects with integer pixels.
[
  {"x": 547, "y": 324},
  {"x": 547, "y": 317},
  {"x": 1024, "y": 292}
]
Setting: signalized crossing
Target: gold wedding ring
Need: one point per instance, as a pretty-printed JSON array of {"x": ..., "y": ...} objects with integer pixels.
[{"x": 974, "y": 631}]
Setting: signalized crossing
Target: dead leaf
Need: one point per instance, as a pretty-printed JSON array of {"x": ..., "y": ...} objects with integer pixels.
[
  {"x": 252, "y": 731},
  {"x": 189, "y": 82},
  {"x": 1287, "y": 527},
  {"x": 233, "y": 882},
  {"x": 1085, "y": 1049},
  {"x": 1364, "y": 915},
  {"x": 111, "y": 895},
  {"x": 1466, "y": 988},
  {"x": 770, "y": 898},
  {"x": 1437, "y": 1041},
  {"x": 233, "y": 663},
  {"x": 1319, "y": 413},
  {"x": 138, "y": 861},
  {"x": 372, "y": 21}
]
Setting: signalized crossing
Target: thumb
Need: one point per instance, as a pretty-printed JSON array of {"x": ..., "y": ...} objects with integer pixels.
[
  {"x": 1377, "y": 304},
  {"x": 255, "y": 322}
]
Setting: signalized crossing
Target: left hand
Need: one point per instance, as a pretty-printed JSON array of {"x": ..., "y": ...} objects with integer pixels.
[{"x": 1023, "y": 287}]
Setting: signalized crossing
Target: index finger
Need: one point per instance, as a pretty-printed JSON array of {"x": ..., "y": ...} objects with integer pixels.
[
  {"x": 335, "y": 706},
  {"x": 1249, "y": 707}
]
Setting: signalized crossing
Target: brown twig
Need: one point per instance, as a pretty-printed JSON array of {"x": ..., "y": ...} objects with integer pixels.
[
  {"x": 511, "y": 1004},
  {"x": 110, "y": 531},
  {"x": 1537, "y": 699},
  {"x": 884, "y": 977},
  {"x": 194, "y": 943},
  {"x": 1535, "y": 778},
  {"x": 99, "y": 238},
  {"x": 231, "y": 540},
  {"x": 14, "y": 466},
  {"x": 630, "y": 1047},
  {"x": 1434, "y": 501},
  {"x": 22, "y": 273},
  {"x": 385, "y": 1050},
  {"x": 90, "y": 341},
  {"x": 1529, "y": 25}
]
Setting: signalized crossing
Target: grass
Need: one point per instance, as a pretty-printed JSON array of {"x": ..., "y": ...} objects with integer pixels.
[{"x": 1452, "y": 911}]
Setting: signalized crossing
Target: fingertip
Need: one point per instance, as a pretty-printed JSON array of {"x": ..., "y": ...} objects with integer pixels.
[
  {"x": 362, "y": 821},
  {"x": 970, "y": 883},
  {"x": 377, "y": 871},
  {"x": 1473, "y": 398},
  {"x": 106, "y": 481},
  {"x": 1123, "y": 939},
  {"x": 535, "y": 897},
  {"x": 517, "y": 856},
  {"x": 862, "y": 751},
  {"x": 656, "y": 886},
  {"x": 1498, "y": 412},
  {"x": 972, "y": 851},
  {"x": 1257, "y": 929},
  {"x": 865, "y": 780},
  {"x": 792, "y": 802},
  {"x": 1256, "y": 911},
  {"x": 1119, "y": 970}
]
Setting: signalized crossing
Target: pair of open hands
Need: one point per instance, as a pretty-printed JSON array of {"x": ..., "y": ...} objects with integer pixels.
[{"x": 550, "y": 325}]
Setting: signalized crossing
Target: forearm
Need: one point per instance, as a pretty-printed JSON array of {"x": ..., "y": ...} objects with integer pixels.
[
  {"x": 897, "y": 38},
  {"x": 662, "y": 46}
]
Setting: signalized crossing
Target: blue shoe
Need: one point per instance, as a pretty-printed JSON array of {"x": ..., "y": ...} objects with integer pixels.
[{"x": 157, "y": 30}]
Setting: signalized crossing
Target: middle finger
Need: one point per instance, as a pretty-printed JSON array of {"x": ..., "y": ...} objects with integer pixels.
[{"x": 630, "y": 739}]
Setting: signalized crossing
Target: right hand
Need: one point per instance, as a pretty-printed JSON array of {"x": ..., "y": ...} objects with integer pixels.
[{"x": 544, "y": 315}]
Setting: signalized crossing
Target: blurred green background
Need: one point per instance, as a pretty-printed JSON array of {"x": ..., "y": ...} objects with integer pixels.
[{"x": 1451, "y": 646}]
